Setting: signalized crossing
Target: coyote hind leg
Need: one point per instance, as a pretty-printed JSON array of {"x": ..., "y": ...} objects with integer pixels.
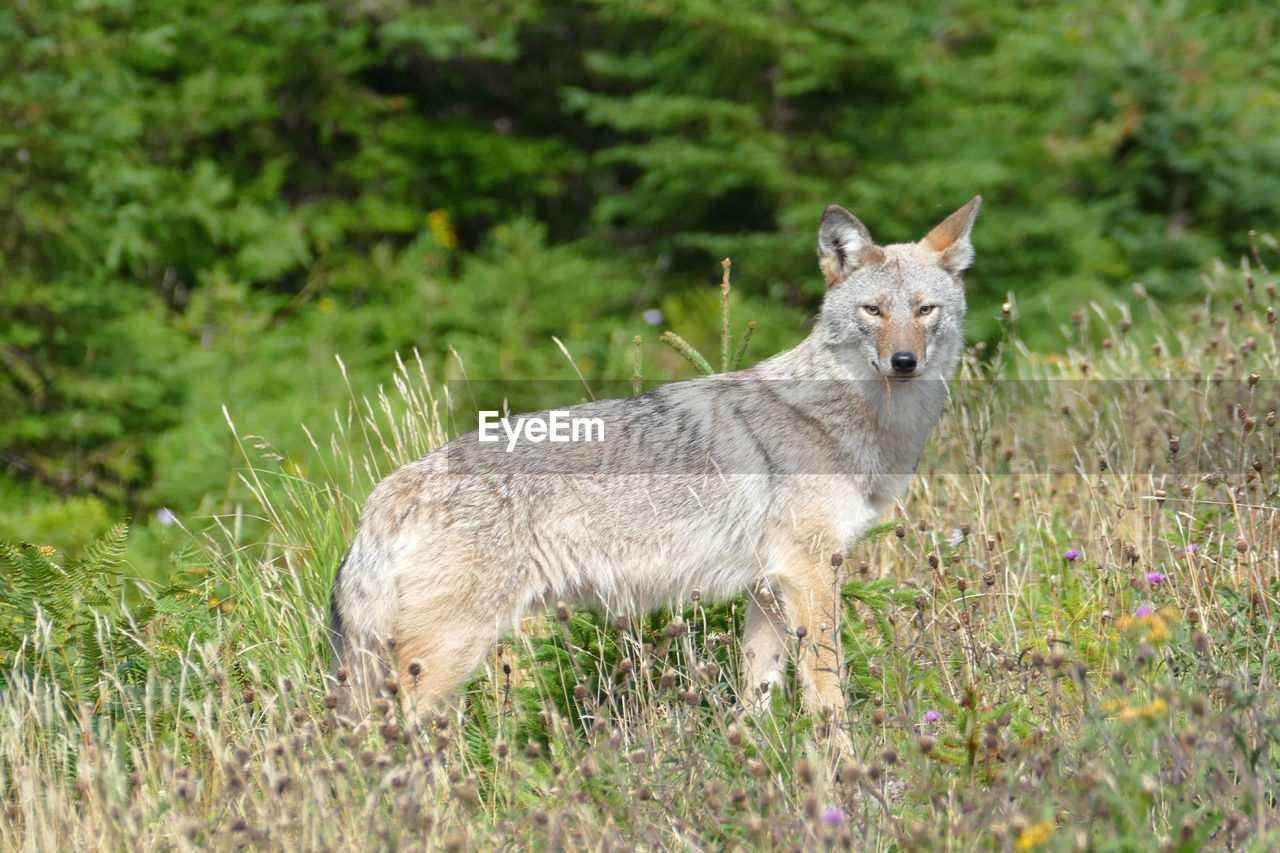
[{"x": 438, "y": 648}]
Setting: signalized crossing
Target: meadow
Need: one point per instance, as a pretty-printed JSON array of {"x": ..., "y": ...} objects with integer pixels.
[{"x": 1062, "y": 639}]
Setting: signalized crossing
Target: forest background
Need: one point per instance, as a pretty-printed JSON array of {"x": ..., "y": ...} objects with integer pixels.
[{"x": 202, "y": 203}]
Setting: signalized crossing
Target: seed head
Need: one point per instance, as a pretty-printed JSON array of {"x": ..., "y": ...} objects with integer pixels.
[{"x": 852, "y": 771}]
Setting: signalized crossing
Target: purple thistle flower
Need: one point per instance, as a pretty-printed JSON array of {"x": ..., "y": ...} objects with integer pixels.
[
  {"x": 1143, "y": 610},
  {"x": 932, "y": 716},
  {"x": 1192, "y": 548},
  {"x": 832, "y": 816},
  {"x": 1156, "y": 577},
  {"x": 1072, "y": 554},
  {"x": 1145, "y": 653}
]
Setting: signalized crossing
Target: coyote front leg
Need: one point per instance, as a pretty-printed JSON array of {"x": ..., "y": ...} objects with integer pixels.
[
  {"x": 764, "y": 647},
  {"x": 811, "y": 598}
]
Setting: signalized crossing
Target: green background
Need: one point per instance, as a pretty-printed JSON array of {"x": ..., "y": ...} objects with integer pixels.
[{"x": 201, "y": 203}]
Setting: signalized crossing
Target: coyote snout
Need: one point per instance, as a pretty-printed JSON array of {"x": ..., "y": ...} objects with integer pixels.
[{"x": 731, "y": 484}]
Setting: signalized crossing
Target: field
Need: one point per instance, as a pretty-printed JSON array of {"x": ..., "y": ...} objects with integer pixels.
[{"x": 1064, "y": 638}]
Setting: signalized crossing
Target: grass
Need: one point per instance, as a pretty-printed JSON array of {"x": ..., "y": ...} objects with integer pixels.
[{"x": 1064, "y": 638}]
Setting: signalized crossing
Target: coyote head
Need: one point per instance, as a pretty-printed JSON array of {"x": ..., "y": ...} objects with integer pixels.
[{"x": 894, "y": 311}]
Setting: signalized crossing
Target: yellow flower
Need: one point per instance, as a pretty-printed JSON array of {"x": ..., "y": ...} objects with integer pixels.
[
  {"x": 442, "y": 229},
  {"x": 1157, "y": 624},
  {"x": 1035, "y": 835},
  {"x": 1128, "y": 714}
]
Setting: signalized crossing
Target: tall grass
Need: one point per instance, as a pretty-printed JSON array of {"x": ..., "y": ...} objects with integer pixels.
[{"x": 1064, "y": 638}]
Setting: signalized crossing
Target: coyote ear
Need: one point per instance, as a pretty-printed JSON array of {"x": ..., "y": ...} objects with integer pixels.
[
  {"x": 844, "y": 244},
  {"x": 951, "y": 238}
]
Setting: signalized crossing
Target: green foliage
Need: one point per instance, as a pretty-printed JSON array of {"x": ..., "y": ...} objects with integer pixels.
[
  {"x": 201, "y": 203},
  {"x": 739, "y": 122},
  {"x": 50, "y": 612}
]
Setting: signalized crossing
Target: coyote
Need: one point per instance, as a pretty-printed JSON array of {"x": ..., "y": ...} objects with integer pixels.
[{"x": 741, "y": 482}]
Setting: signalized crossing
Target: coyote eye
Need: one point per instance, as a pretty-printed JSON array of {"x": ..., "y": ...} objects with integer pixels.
[
  {"x": 927, "y": 309},
  {"x": 873, "y": 310}
]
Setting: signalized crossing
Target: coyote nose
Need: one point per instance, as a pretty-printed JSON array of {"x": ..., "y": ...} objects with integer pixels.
[{"x": 903, "y": 362}]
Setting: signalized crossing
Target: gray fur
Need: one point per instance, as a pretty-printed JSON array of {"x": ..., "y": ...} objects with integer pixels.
[{"x": 722, "y": 485}]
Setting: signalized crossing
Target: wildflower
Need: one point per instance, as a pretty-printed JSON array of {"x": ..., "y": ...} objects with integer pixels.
[
  {"x": 165, "y": 516},
  {"x": 653, "y": 316},
  {"x": 1071, "y": 554},
  {"x": 1133, "y": 713},
  {"x": 1192, "y": 548},
  {"x": 1156, "y": 623},
  {"x": 442, "y": 229},
  {"x": 1154, "y": 578},
  {"x": 957, "y": 536},
  {"x": 932, "y": 716},
  {"x": 832, "y": 816},
  {"x": 1035, "y": 835}
]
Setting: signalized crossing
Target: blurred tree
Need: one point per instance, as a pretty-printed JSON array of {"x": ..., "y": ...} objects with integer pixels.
[
  {"x": 1111, "y": 142},
  {"x": 201, "y": 201}
]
